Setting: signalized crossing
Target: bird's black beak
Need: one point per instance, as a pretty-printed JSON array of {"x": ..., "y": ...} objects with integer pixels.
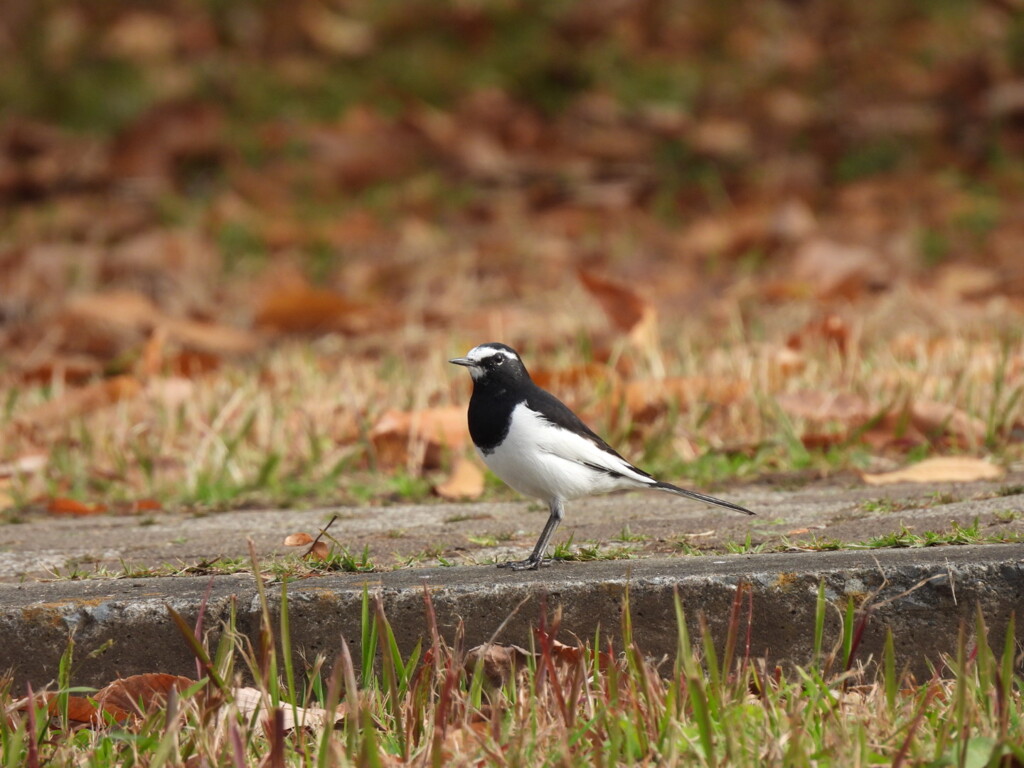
[{"x": 462, "y": 361}]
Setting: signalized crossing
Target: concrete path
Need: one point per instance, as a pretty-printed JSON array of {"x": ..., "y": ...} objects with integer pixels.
[
  {"x": 636, "y": 524},
  {"x": 923, "y": 594}
]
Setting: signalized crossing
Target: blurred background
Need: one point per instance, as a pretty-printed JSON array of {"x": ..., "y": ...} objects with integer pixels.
[{"x": 238, "y": 239}]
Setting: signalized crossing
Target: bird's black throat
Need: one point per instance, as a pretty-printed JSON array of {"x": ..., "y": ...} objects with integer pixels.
[{"x": 490, "y": 413}]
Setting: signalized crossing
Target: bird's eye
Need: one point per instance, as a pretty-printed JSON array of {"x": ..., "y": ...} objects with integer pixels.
[{"x": 499, "y": 361}]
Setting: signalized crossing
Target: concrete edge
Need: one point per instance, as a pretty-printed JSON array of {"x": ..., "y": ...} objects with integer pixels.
[{"x": 922, "y": 595}]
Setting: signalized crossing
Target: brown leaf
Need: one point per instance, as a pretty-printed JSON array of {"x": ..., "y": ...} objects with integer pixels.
[
  {"x": 151, "y": 359},
  {"x": 465, "y": 482},
  {"x": 567, "y": 654},
  {"x": 65, "y": 506},
  {"x": 818, "y": 406},
  {"x": 80, "y": 709},
  {"x": 211, "y": 339},
  {"x": 308, "y": 310},
  {"x": 499, "y": 661},
  {"x": 107, "y": 324},
  {"x": 646, "y": 399},
  {"x": 79, "y": 402},
  {"x": 935, "y": 418},
  {"x": 145, "y": 505},
  {"x": 71, "y": 369},
  {"x": 297, "y": 539},
  {"x": 142, "y": 37},
  {"x": 835, "y": 269},
  {"x": 141, "y": 694},
  {"x": 574, "y": 376},
  {"x": 625, "y": 308},
  {"x": 397, "y": 435},
  {"x": 968, "y": 281},
  {"x": 319, "y": 551},
  {"x": 945, "y": 469}
]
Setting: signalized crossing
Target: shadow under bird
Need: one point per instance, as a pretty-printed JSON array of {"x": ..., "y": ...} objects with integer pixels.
[{"x": 535, "y": 444}]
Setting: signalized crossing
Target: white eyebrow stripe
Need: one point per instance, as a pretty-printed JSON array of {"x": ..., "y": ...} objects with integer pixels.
[{"x": 482, "y": 353}]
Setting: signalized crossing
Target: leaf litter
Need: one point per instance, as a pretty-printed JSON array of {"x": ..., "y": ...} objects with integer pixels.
[{"x": 702, "y": 280}]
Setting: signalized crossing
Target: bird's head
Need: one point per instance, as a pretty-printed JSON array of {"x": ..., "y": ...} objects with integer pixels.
[{"x": 493, "y": 361}]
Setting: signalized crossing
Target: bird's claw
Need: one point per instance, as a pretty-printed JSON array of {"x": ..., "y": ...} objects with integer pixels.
[{"x": 529, "y": 564}]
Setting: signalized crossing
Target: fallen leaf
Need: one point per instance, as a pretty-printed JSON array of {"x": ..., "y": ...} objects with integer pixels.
[
  {"x": 789, "y": 361},
  {"x": 815, "y": 405},
  {"x": 80, "y": 710},
  {"x": 304, "y": 309},
  {"x": 401, "y": 436},
  {"x": 71, "y": 369},
  {"x": 251, "y": 701},
  {"x": 151, "y": 359},
  {"x": 835, "y": 269},
  {"x": 211, "y": 339},
  {"x": 319, "y": 551},
  {"x": 935, "y": 418},
  {"x": 946, "y": 469},
  {"x": 646, "y": 399},
  {"x": 145, "y": 505},
  {"x": 574, "y": 376},
  {"x": 967, "y": 281},
  {"x": 567, "y": 654},
  {"x": 78, "y": 402},
  {"x": 499, "y": 661},
  {"x": 65, "y": 506},
  {"x": 465, "y": 482},
  {"x": 297, "y": 539},
  {"x": 141, "y": 694},
  {"x": 142, "y": 37},
  {"x": 107, "y": 324},
  {"x": 625, "y": 308}
]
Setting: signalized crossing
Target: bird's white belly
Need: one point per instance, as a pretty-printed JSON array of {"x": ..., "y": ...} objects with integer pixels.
[{"x": 546, "y": 462}]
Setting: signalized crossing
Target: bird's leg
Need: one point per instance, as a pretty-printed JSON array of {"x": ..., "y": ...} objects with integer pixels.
[{"x": 536, "y": 560}]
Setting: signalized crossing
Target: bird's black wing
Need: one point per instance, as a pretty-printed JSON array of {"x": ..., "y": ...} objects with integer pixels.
[{"x": 558, "y": 413}]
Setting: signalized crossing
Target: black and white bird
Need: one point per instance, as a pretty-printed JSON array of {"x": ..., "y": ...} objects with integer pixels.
[{"x": 533, "y": 442}]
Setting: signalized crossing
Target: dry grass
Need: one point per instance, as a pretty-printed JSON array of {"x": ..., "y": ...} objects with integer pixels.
[{"x": 294, "y": 425}]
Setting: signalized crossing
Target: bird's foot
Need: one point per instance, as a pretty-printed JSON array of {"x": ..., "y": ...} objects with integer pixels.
[{"x": 529, "y": 564}]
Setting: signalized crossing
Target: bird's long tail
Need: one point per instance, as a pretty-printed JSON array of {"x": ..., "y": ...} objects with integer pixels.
[{"x": 701, "y": 497}]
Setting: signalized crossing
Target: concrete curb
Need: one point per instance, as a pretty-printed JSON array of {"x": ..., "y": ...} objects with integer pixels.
[{"x": 36, "y": 619}]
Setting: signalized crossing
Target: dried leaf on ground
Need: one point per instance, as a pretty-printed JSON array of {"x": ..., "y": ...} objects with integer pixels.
[
  {"x": 308, "y": 310},
  {"x": 210, "y": 338},
  {"x": 81, "y": 710},
  {"x": 499, "y": 661},
  {"x": 318, "y": 551},
  {"x": 142, "y": 694},
  {"x": 465, "y": 482},
  {"x": 399, "y": 436},
  {"x": 251, "y": 704},
  {"x": 934, "y": 418},
  {"x": 107, "y": 324},
  {"x": 945, "y": 469},
  {"x": 72, "y": 507},
  {"x": 646, "y": 399},
  {"x": 816, "y": 405},
  {"x": 78, "y": 402},
  {"x": 625, "y": 308},
  {"x": 297, "y": 539},
  {"x": 833, "y": 269}
]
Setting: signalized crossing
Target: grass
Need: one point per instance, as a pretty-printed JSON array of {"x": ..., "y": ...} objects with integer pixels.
[
  {"x": 599, "y": 701},
  {"x": 293, "y": 429}
]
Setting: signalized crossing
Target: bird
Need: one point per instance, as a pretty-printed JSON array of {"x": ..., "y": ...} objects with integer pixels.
[{"x": 538, "y": 446}]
